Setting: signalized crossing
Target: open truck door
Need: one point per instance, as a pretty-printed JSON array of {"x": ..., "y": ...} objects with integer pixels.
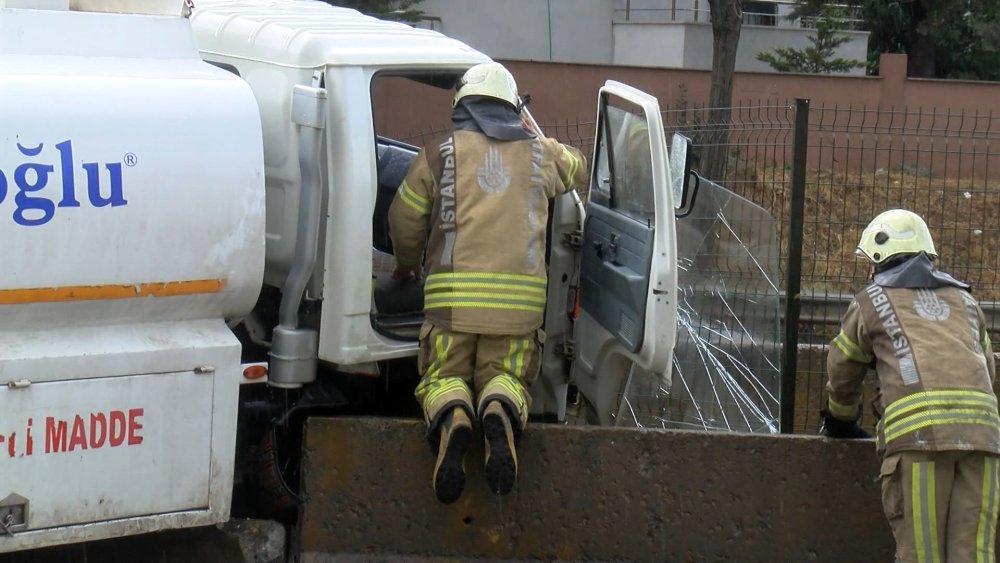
[{"x": 627, "y": 312}]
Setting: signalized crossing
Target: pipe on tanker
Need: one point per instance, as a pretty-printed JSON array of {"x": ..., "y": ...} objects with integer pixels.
[{"x": 294, "y": 350}]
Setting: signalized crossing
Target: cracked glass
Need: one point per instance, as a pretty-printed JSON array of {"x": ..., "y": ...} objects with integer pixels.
[{"x": 726, "y": 363}]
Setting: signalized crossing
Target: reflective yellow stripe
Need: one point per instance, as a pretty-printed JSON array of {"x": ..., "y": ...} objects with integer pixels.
[
  {"x": 850, "y": 349},
  {"x": 441, "y": 344},
  {"x": 516, "y": 391},
  {"x": 841, "y": 410},
  {"x": 573, "y": 165},
  {"x": 411, "y": 198},
  {"x": 916, "y": 493},
  {"x": 936, "y": 397},
  {"x": 432, "y": 379},
  {"x": 491, "y": 276},
  {"x": 511, "y": 360},
  {"x": 987, "y": 513},
  {"x": 432, "y": 401},
  {"x": 488, "y": 290},
  {"x": 932, "y": 511},
  {"x": 109, "y": 291},
  {"x": 948, "y": 405},
  {"x": 511, "y": 387},
  {"x": 924, "y": 511},
  {"x": 511, "y": 384},
  {"x": 992, "y": 528},
  {"x": 434, "y": 389},
  {"x": 476, "y": 303},
  {"x": 487, "y": 286},
  {"x": 515, "y": 355},
  {"x": 940, "y": 417},
  {"x": 485, "y": 296},
  {"x": 939, "y": 406}
]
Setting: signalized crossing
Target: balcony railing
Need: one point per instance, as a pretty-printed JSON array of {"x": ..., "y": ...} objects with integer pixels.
[{"x": 771, "y": 13}]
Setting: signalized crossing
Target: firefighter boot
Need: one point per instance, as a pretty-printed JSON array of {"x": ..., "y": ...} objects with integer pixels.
[
  {"x": 449, "y": 470},
  {"x": 501, "y": 456}
]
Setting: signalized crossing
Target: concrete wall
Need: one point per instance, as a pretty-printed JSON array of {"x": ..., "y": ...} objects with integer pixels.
[
  {"x": 545, "y": 30},
  {"x": 756, "y": 39},
  {"x": 587, "y": 493},
  {"x": 635, "y": 42},
  {"x": 689, "y": 45},
  {"x": 563, "y": 91},
  {"x": 595, "y": 32},
  {"x": 965, "y": 111}
]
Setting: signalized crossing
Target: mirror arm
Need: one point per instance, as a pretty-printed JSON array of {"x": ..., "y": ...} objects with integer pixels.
[{"x": 689, "y": 207}]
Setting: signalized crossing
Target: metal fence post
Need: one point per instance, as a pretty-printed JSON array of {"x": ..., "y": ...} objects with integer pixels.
[{"x": 796, "y": 220}]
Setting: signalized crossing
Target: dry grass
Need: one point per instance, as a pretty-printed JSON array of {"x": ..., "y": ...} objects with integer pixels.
[{"x": 963, "y": 215}]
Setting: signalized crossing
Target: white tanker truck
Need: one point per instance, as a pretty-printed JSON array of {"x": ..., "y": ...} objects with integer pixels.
[{"x": 192, "y": 212}]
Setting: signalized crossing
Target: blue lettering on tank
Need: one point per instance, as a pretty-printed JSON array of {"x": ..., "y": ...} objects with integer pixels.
[{"x": 28, "y": 183}]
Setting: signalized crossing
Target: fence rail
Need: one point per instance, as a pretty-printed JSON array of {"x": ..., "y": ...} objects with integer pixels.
[{"x": 770, "y": 13}]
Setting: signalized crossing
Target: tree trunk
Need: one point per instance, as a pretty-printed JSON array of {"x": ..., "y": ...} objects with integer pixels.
[
  {"x": 920, "y": 52},
  {"x": 727, "y": 21}
]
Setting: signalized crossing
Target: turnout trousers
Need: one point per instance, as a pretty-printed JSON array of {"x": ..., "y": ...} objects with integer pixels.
[
  {"x": 942, "y": 506},
  {"x": 469, "y": 370}
]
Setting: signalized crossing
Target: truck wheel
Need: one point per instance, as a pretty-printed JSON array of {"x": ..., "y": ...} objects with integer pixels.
[{"x": 270, "y": 486}]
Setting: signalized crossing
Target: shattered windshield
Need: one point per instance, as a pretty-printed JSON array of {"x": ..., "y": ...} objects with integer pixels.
[{"x": 726, "y": 363}]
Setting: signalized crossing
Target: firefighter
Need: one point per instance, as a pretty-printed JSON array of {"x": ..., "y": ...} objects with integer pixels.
[
  {"x": 938, "y": 433},
  {"x": 473, "y": 210}
]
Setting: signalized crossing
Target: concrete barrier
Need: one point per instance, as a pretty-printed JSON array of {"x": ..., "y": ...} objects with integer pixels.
[{"x": 588, "y": 493}]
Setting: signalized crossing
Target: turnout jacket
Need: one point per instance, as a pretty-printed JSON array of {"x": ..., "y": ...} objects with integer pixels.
[
  {"x": 934, "y": 361},
  {"x": 474, "y": 210}
]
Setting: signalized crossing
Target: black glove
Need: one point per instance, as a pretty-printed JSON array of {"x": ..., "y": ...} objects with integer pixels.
[{"x": 833, "y": 427}]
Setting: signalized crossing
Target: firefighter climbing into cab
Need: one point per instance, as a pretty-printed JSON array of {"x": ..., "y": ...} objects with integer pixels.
[{"x": 471, "y": 214}]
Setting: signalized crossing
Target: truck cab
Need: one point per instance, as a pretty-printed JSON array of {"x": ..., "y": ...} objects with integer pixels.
[{"x": 365, "y": 75}]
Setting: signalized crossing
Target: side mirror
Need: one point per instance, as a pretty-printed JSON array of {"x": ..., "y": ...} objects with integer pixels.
[{"x": 681, "y": 188}]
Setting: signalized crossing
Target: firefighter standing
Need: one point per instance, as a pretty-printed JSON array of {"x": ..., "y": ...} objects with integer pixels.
[
  {"x": 939, "y": 431},
  {"x": 473, "y": 210}
]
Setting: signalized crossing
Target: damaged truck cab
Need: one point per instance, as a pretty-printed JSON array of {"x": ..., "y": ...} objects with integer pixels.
[{"x": 187, "y": 200}]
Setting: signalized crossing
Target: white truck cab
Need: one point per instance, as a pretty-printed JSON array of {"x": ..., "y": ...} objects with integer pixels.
[
  {"x": 166, "y": 180},
  {"x": 339, "y": 67}
]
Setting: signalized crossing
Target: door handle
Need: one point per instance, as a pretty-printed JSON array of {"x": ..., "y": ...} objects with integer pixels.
[
  {"x": 599, "y": 247},
  {"x": 608, "y": 250}
]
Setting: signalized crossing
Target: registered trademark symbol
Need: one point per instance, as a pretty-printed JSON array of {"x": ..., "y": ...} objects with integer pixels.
[{"x": 130, "y": 159}]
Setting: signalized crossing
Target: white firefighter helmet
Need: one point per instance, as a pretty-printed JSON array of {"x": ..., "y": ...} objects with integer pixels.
[
  {"x": 488, "y": 79},
  {"x": 895, "y": 232}
]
